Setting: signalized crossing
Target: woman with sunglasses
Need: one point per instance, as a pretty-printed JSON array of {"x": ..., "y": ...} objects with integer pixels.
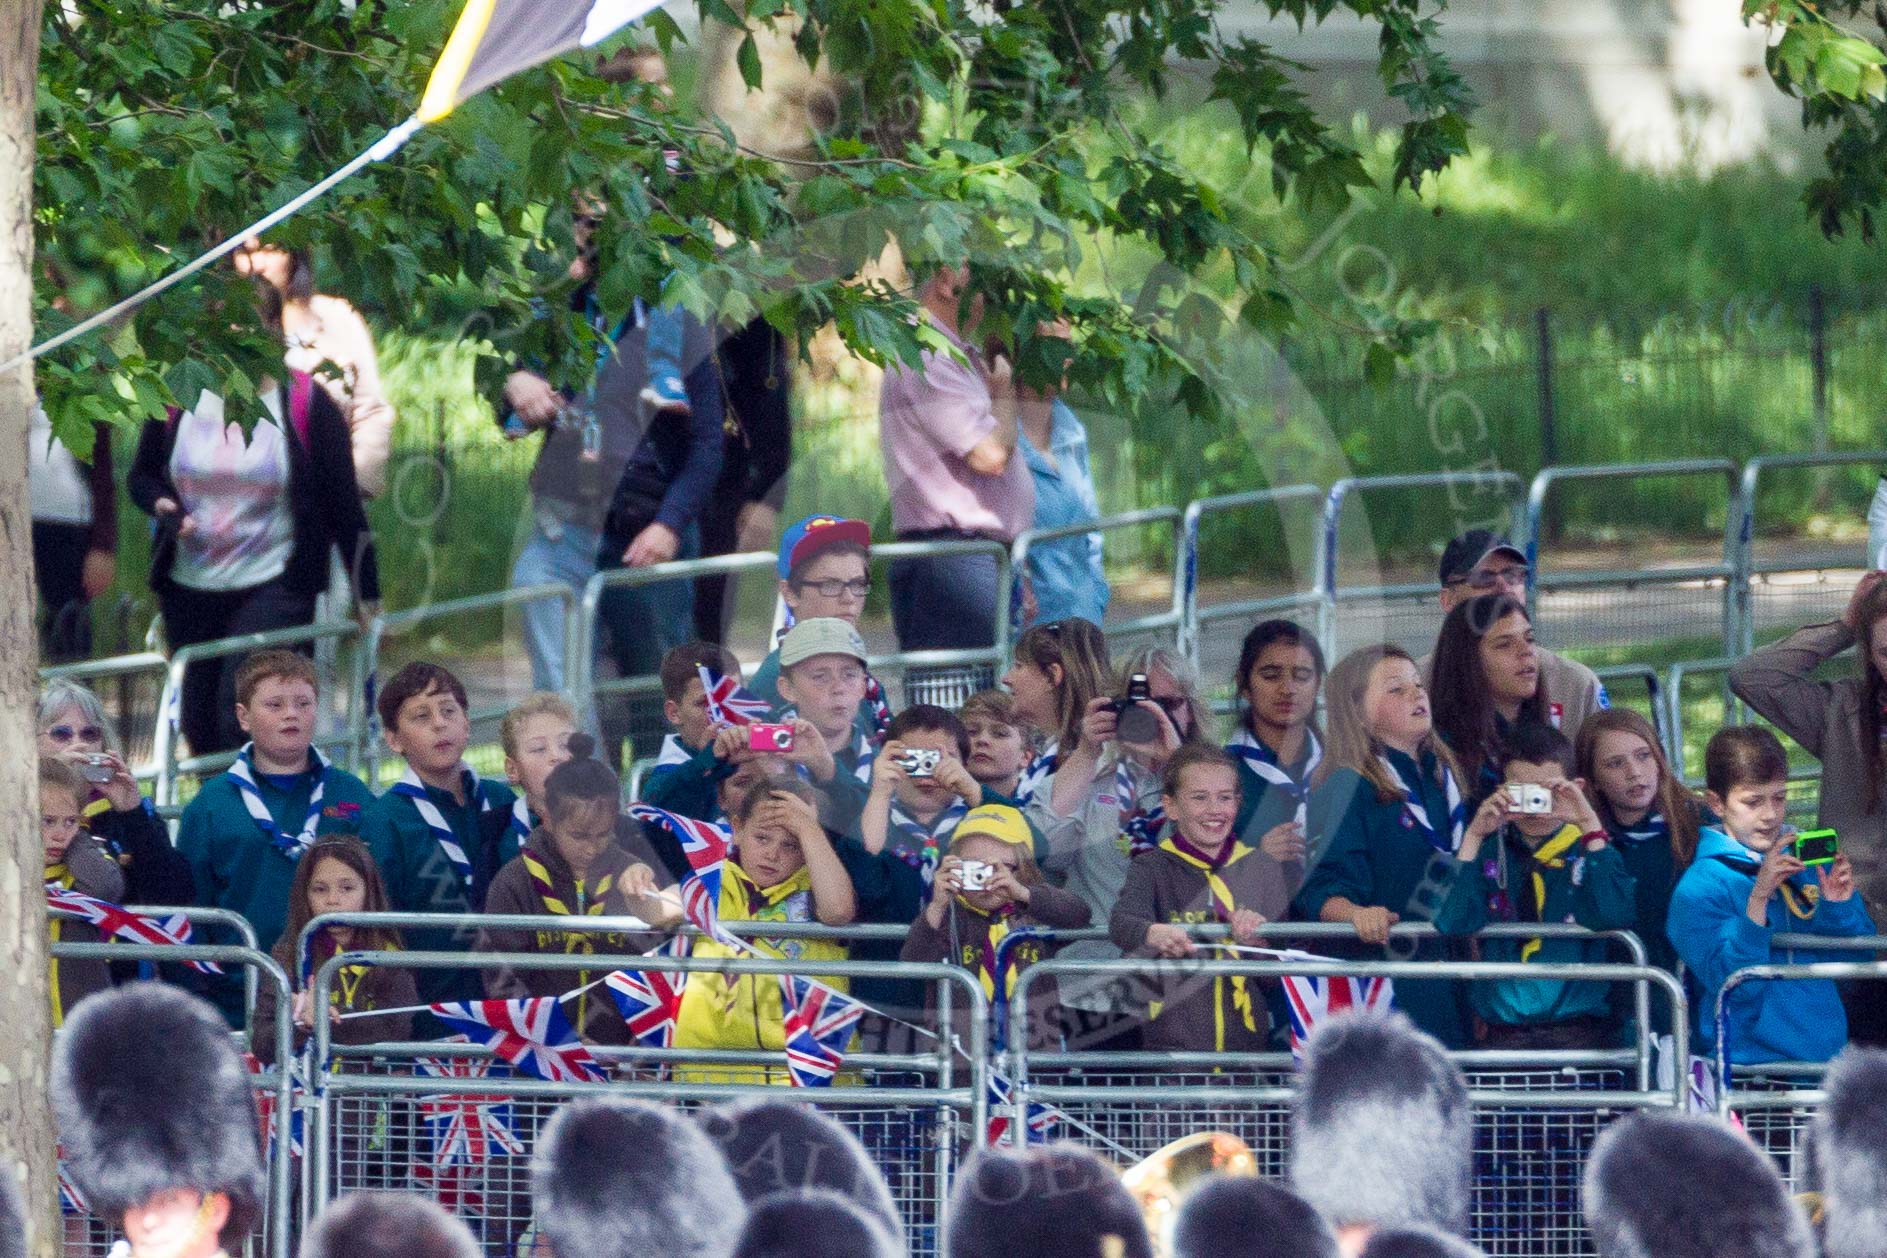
[{"x": 73, "y": 727}]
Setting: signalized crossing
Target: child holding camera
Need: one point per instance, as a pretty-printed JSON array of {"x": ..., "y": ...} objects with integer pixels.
[
  {"x": 1536, "y": 852},
  {"x": 987, "y": 888},
  {"x": 690, "y": 766},
  {"x": 1751, "y": 880},
  {"x": 1200, "y": 873}
]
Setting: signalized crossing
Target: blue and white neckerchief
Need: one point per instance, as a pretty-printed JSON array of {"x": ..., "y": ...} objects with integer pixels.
[
  {"x": 242, "y": 773},
  {"x": 673, "y": 752},
  {"x": 1650, "y": 826},
  {"x": 1418, "y": 812},
  {"x": 1139, "y": 824},
  {"x": 1261, "y": 760},
  {"x": 1036, "y": 776},
  {"x": 922, "y": 845},
  {"x": 415, "y": 790},
  {"x": 521, "y": 820},
  {"x": 866, "y": 752}
]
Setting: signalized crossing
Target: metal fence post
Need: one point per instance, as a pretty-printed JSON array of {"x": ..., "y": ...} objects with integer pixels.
[{"x": 1549, "y": 408}]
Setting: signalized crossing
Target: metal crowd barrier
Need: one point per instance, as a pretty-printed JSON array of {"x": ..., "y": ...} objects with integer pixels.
[
  {"x": 1166, "y": 622},
  {"x": 1404, "y": 612},
  {"x": 1535, "y": 1120},
  {"x": 1804, "y": 773},
  {"x": 276, "y": 1081},
  {"x": 1635, "y": 613},
  {"x": 1196, "y": 620},
  {"x": 364, "y": 729},
  {"x": 1653, "y": 705},
  {"x": 1776, "y": 1101},
  {"x": 227, "y": 919},
  {"x": 169, "y": 729},
  {"x": 921, "y": 1109},
  {"x": 1756, "y": 575}
]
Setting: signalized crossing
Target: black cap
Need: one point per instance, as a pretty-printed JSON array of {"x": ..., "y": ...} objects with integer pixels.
[{"x": 1467, "y": 550}]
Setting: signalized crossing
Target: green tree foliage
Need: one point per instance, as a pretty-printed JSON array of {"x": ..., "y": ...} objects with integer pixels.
[{"x": 992, "y": 132}]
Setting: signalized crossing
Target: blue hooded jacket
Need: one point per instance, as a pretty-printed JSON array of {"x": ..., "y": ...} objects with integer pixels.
[{"x": 1775, "y": 1020}]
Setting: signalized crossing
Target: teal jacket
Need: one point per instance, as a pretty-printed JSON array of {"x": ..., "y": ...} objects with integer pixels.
[
  {"x": 234, "y": 866},
  {"x": 1592, "y": 889},
  {"x": 691, "y": 788},
  {"x": 1775, "y": 1020},
  {"x": 1372, "y": 852},
  {"x": 421, "y": 879}
]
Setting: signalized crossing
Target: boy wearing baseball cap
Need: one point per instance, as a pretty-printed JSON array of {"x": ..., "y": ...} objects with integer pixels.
[
  {"x": 1481, "y": 561},
  {"x": 825, "y": 573},
  {"x": 823, "y": 681},
  {"x": 988, "y": 887}
]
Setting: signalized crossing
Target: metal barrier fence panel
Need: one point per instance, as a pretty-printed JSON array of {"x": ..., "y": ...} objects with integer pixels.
[
  {"x": 1698, "y": 703},
  {"x": 387, "y": 1122},
  {"x": 1382, "y": 536},
  {"x": 1609, "y": 592},
  {"x": 1792, "y": 574},
  {"x": 1247, "y": 557},
  {"x": 131, "y": 689},
  {"x": 1535, "y": 1122},
  {"x": 1636, "y": 686},
  {"x": 87, "y": 1236},
  {"x": 339, "y": 705},
  {"x": 1137, "y": 545}
]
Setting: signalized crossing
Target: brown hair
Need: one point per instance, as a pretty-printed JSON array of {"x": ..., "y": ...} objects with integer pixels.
[
  {"x": 1458, "y": 694},
  {"x": 1743, "y": 755},
  {"x": 582, "y": 780},
  {"x": 989, "y": 705},
  {"x": 928, "y": 718},
  {"x": 1191, "y": 756},
  {"x": 352, "y": 853},
  {"x": 421, "y": 677},
  {"x": 60, "y": 775},
  {"x": 750, "y": 799},
  {"x": 1677, "y": 805},
  {"x": 682, "y": 664},
  {"x": 1867, "y": 618},
  {"x": 1079, "y": 649},
  {"x": 538, "y": 703},
  {"x": 277, "y": 662},
  {"x": 1352, "y": 745}
]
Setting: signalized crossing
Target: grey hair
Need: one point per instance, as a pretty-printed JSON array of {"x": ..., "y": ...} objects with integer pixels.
[
  {"x": 1185, "y": 675},
  {"x": 61, "y": 693}
]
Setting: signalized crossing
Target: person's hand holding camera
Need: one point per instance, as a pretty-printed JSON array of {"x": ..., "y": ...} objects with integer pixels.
[
  {"x": 1100, "y": 723},
  {"x": 1003, "y": 882},
  {"x": 1779, "y": 865},
  {"x": 810, "y": 751},
  {"x": 730, "y": 745},
  {"x": 1837, "y": 881},
  {"x": 953, "y": 777},
  {"x": 531, "y": 399},
  {"x": 1495, "y": 811},
  {"x": 887, "y": 770}
]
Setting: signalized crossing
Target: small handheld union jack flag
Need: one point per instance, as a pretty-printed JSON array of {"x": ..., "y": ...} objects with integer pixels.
[
  {"x": 1313, "y": 1001},
  {"x": 466, "y": 1128},
  {"x": 818, "y": 1024},
  {"x": 71, "y": 1200},
  {"x": 650, "y": 1003},
  {"x": 117, "y": 922},
  {"x": 1002, "y": 1111},
  {"x": 265, "y": 1110},
  {"x": 705, "y": 845},
  {"x": 533, "y": 1035},
  {"x": 729, "y": 702}
]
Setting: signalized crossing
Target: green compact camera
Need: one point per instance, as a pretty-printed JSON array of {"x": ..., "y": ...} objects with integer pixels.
[{"x": 1816, "y": 847}]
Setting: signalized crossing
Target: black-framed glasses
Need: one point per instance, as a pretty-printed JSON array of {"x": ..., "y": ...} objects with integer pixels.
[
  {"x": 1488, "y": 578},
  {"x": 832, "y": 587},
  {"x": 63, "y": 734}
]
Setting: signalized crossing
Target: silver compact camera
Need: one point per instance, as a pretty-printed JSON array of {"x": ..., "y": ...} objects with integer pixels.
[
  {"x": 976, "y": 875},
  {"x": 1530, "y": 799},
  {"x": 97, "y": 769},
  {"x": 919, "y": 762}
]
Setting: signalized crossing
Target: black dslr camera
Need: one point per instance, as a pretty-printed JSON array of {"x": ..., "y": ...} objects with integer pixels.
[{"x": 1134, "y": 724}]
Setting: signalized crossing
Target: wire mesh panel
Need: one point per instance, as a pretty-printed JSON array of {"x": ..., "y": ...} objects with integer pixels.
[
  {"x": 1778, "y": 1129},
  {"x": 1805, "y": 539}
]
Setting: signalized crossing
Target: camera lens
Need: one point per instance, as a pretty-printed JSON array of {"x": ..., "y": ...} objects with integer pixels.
[{"x": 1137, "y": 725}]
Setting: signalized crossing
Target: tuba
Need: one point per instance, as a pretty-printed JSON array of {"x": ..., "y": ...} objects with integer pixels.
[{"x": 1160, "y": 1182}]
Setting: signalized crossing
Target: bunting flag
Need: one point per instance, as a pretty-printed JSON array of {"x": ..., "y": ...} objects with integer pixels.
[
  {"x": 1041, "y": 1118},
  {"x": 729, "y": 702},
  {"x": 495, "y": 39},
  {"x": 650, "y": 1003},
  {"x": 705, "y": 846},
  {"x": 118, "y": 922},
  {"x": 467, "y": 1128},
  {"x": 818, "y": 1024},
  {"x": 1313, "y": 1001},
  {"x": 71, "y": 1200},
  {"x": 532, "y": 1034},
  {"x": 265, "y": 1110}
]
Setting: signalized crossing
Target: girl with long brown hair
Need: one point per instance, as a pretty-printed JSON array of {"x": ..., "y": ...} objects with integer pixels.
[
  {"x": 1487, "y": 679},
  {"x": 1386, "y": 816}
]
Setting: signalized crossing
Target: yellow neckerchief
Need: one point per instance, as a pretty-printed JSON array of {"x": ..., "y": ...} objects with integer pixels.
[
  {"x": 63, "y": 876},
  {"x": 1223, "y": 905},
  {"x": 93, "y": 809},
  {"x": 1549, "y": 855},
  {"x": 753, "y": 902},
  {"x": 592, "y": 899},
  {"x": 992, "y": 944}
]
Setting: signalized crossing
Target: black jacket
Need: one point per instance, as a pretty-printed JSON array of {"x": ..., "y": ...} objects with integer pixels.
[{"x": 323, "y": 499}]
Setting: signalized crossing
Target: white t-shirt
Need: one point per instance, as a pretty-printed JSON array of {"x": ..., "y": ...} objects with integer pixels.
[
  {"x": 57, "y": 485},
  {"x": 236, "y": 490}
]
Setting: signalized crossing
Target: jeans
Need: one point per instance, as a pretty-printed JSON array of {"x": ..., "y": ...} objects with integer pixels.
[
  {"x": 568, "y": 559},
  {"x": 664, "y": 334},
  {"x": 645, "y": 622}
]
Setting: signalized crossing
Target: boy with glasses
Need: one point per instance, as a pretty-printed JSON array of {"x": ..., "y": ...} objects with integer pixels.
[
  {"x": 825, "y": 573},
  {"x": 1481, "y": 561}
]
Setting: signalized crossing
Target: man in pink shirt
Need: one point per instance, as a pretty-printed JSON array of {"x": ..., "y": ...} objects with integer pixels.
[{"x": 949, "y": 438}]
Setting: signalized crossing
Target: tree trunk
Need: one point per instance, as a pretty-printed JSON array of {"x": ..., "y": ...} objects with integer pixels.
[{"x": 26, "y": 1136}]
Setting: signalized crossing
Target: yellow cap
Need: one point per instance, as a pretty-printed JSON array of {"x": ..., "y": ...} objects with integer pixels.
[{"x": 995, "y": 821}]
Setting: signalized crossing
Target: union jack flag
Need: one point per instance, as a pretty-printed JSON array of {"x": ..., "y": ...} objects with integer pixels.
[
  {"x": 452, "y": 1187},
  {"x": 117, "y": 922},
  {"x": 1313, "y": 1001},
  {"x": 533, "y": 1035},
  {"x": 650, "y": 1002},
  {"x": 71, "y": 1200},
  {"x": 467, "y": 1128},
  {"x": 729, "y": 702},
  {"x": 1002, "y": 1111},
  {"x": 818, "y": 1024},
  {"x": 265, "y": 1109},
  {"x": 705, "y": 846}
]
